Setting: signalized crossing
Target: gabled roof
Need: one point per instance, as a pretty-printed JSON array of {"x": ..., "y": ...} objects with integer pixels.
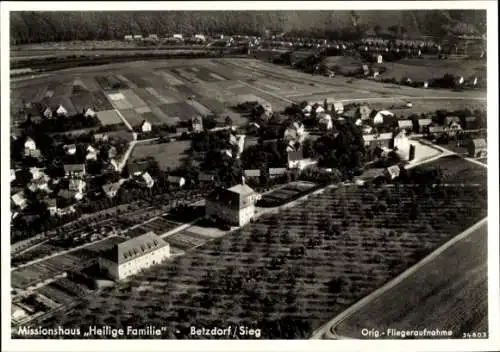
[
  {"x": 135, "y": 248},
  {"x": 236, "y": 197}
]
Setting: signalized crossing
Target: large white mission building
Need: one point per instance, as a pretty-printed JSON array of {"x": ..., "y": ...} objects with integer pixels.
[
  {"x": 235, "y": 205},
  {"x": 130, "y": 257}
]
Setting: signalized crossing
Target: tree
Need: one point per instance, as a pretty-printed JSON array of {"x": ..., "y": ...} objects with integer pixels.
[{"x": 228, "y": 121}]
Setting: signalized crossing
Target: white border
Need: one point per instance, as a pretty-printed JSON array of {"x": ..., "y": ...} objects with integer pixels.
[{"x": 296, "y": 345}]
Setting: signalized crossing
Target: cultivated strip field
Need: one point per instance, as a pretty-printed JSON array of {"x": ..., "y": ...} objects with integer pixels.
[{"x": 445, "y": 294}]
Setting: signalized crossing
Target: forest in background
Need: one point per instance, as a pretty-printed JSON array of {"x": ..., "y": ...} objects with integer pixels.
[{"x": 36, "y": 27}]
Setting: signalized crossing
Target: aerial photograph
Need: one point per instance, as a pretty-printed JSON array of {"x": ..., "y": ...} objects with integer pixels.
[{"x": 243, "y": 175}]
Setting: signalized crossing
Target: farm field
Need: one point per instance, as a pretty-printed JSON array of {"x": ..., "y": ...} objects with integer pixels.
[
  {"x": 421, "y": 69},
  {"x": 288, "y": 273},
  {"x": 427, "y": 296},
  {"x": 167, "y": 154},
  {"x": 161, "y": 88}
]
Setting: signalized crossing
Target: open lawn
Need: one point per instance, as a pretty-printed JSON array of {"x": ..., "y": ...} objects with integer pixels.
[
  {"x": 167, "y": 154},
  {"x": 445, "y": 294},
  {"x": 416, "y": 69},
  {"x": 458, "y": 170},
  {"x": 288, "y": 273}
]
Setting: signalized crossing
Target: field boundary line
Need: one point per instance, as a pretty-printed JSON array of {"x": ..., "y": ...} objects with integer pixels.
[
  {"x": 328, "y": 329},
  {"x": 125, "y": 121}
]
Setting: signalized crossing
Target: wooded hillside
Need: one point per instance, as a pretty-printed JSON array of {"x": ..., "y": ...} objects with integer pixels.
[{"x": 32, "y": 27}]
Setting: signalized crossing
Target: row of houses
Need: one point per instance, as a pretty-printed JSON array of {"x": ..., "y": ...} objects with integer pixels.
[
  {"x": 36, "y": 112},
  {"x": 155, "y": 37}
]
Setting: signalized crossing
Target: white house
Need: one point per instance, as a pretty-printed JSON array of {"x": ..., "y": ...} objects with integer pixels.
[
  {"x": 338, "y": 107},
  {"x": 145, "y": 126},
  {"x": 197, "y": 124},
  {"x": 426, "y": 84},
  {"x": 402, "y": 145},
  {"x": 70, "y": 149},
  {"x": 47, "y": 112},
  {"x": 380, "y": 59},
  {"x": 296, "y": 160},
  {"x": 325, "y": 121},
  {"x": 148, "y": 180},
  {"x": 235, "y": 205},
  {"x": 128, "y": 37},
  {"x": 132, "y": 256},
  {"x": 89, "y": 113},
  {"x": 200, "y": 37},
  {"x": 19, "y": 200},
  {"x": 319, "y": 109},
  {"x": 379, "y": 117},
  {"x": 29, "y": 144},
  {"x": 61, "y": 111},
  {"x": 178, "y": 36},
  {"x": 12, "y": 175},
  {"x": 111, "y": 189},
  {"x": 36, "y": 173}
]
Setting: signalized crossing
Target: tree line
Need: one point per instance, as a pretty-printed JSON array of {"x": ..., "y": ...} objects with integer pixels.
[{"x": 35, "y": 27}]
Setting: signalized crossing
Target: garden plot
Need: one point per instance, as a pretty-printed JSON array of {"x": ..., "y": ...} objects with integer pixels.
[
  {"x": 133, "y": 98},
  {"x": 132, "y": 117},
  {"x": 185, "y": 240},
  {"x": 82, "y": 100},
  {"x": 213, "y": 105},
  {"x": 91, "y": 84},
  {"x": 181, "y": 110},
  {"x": 145, "y": 96},
  {"x": 119, "y": 102},
  {"x": 127, "y": 81},
  {"x": 202, "y": 110},
  {"x": 163, "y": 99},
  {"x": 152, "y": 118},
  {"x": 169, "y": 78},
  {"x": 136, "y": 79},
  {"x": 59, "y": 296},
  {"x": 110, "y": 82},
  {"x": 109, "y": 117},
  {"x": 186, "y": 75},
  {"x": 100, "y": 102}
]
